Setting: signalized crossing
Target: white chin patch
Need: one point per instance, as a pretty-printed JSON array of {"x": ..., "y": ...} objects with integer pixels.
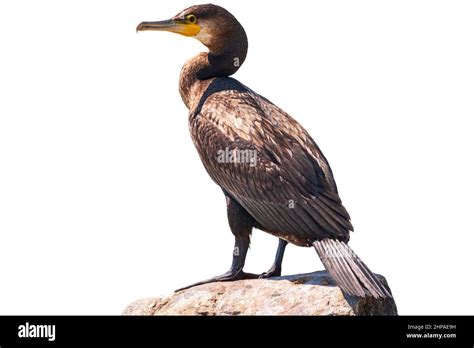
[{"x": 204, "y": 36}]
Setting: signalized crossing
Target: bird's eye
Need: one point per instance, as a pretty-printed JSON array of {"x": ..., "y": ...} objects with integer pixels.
[{"x": 191, "y": 18}]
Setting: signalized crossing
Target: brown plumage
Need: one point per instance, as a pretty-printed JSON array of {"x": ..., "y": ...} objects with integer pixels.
[{"x": 288, "y": 189}]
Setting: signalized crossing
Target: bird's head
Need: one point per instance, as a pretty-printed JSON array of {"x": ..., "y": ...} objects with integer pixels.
[{"x": 213, "y": 25}]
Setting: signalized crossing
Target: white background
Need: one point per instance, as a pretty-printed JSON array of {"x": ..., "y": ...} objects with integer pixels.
[{"x": 103, "y": 199}]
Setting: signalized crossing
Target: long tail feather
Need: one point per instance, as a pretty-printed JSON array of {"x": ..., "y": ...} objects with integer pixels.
[{"x": 348, "y": 270}]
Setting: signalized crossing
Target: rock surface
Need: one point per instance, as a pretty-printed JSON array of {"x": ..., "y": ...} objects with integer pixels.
[{"x": 301, "y": 294}]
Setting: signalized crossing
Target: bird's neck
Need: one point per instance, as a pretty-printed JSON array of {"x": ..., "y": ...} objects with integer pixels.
[{"x": 198, "y": 72}]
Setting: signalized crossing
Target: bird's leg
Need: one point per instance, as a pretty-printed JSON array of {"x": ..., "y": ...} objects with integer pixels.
[
  {"x": 236, "y": 270},
  {"x": 241, "y": 224},
  {"x": 275, "y": 270}
]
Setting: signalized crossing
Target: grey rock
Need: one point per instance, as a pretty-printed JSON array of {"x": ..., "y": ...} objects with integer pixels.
[{"x": 301, "y": 294}]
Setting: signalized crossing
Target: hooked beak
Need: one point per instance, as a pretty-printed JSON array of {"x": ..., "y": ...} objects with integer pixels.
[{"x": 182, "y": 27}]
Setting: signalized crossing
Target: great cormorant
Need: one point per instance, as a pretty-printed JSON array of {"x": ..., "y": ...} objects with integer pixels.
[{"x": 273, "y": 175}]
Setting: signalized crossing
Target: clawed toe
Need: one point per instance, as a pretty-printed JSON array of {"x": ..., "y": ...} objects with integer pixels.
[
  {"x": 226, "y": 277},
  {"x": 272, "y": 272}
]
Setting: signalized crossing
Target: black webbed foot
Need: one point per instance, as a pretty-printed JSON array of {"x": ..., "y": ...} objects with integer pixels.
[
  {"x": 226, "y": 277},
  {"x": 272, "y": 272}
]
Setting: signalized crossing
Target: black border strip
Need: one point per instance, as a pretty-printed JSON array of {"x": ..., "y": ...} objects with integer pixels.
[{"x": 137, "y": 330}]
